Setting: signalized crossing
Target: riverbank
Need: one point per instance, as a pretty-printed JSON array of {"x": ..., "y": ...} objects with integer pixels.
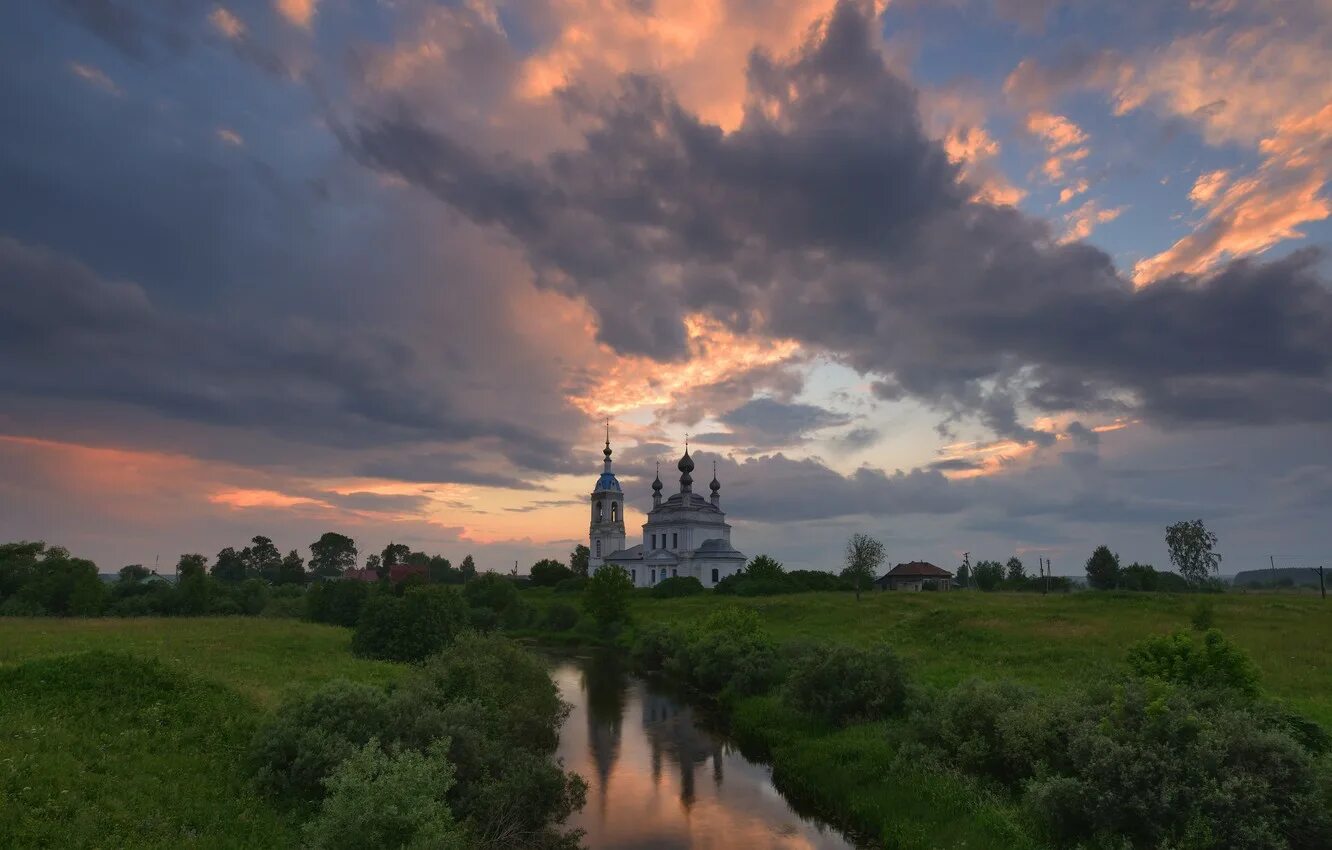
[{"x": 854, "y": 776}]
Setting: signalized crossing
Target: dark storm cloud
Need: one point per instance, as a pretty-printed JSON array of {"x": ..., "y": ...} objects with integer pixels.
[
  {"x": 377, "y": 502},
  {"x": 767, "y": 421},
  {"x": 776, "y": 488},
  {"x": 831, "y": 216}
]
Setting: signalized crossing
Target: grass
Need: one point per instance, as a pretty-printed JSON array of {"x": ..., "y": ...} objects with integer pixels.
[
  {"x": 1052, "y": 642},
  {"x": 143, "y": 746}
]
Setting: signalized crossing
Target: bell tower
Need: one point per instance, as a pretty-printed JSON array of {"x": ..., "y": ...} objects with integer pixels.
[{"x": 606, "y": 531}]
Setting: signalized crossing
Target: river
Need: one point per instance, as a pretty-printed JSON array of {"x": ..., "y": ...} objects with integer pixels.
[{"x": 659, "y": 779}]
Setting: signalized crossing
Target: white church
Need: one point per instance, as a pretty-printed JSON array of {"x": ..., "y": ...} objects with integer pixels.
[{"x": 685, "y": 534}]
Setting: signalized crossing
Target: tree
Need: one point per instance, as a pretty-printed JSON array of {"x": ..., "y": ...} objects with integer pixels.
[
  {"x": 964, "y": 575},
  {"x": 578, "y": 559},
  {"x": 864, "y": 554},
  {"x": 492, "y": 591},
  {"x": 442, "y": 571},
  {"x": 764, "y": 567},
  {"x": 1103, "y": 569},
  {"x": 1191, "y": 548},
  {"x": 987, "y": 575},
  {"x": 195, "y": 593},
  {"x": 262, "y": 559},
  {"x": 1017, "y": 573},
  {"x": 606, "y": 597},
  {"x": 229, "y": 567},
  {"x": 1139, "y": 577},
  {"x": 133, "y": 572},
  {"x": 395, "y": 554},
  {"x": 292, "y": 569},
  {"x": 548, "y": 572},
  {"x": 332, "y": 555},
  {"x": 468, "y": 568}
]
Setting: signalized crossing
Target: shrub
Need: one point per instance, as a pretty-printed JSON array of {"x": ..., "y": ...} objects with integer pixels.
[
  {"x": 654, "y": 647},
  {"x": 419, "y": 624},
  {"x": 560, "y": 617},
  {"x": 17, "y": 606},
  {"x": 843, "y": 684},
  {"x": 676, "y": 586},
  {"x": 728, "y": 652},
  {"x": 1173, "y": 768},
  {"x": 378, "y": 799},
  {"x": 482, "y": 619},
  {"x": 292, "y": 755},
  {"x": 1203, "y": 616},
  {"x": 1179, "y": 659},
  {"x": 572, "y": 585},
  {"x": 998, "y": 730},
  {"x": 287, "y": 607},
  {"x": 606, "y": 597},
  {"x": 490, "y": 590},
  {"x": 338, "y": 602}
]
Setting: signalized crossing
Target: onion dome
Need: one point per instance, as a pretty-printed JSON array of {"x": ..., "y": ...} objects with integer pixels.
[
  {"x": 686, "y": 466},
  {"x": 715, "y": 486},
  {"x": 656, "y": 482}
]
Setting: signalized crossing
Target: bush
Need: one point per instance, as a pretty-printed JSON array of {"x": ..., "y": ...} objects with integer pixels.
[
  {"x": 338, "y": 602},
  {"x": 654, "y": 647},
  {"x": 419, "y": 624},
  {"x": 378, "y": 799},
  {"x": 490, "y": 590},
  {"x": 284, "y": 606},
  {"x": 1179, "y": 659},
  {"x": 1173, "y": 768},
  {"x": 17, "y": 606},
  {"x": 998, "y": 730},
  {"x": 843, "y": 684},
  {"x": 560, "y": 617},
  {"x": 606, "y": 597},
  {"x": 572, "y": 585},
  {"x": 727, "y": 653},
  {"x": 1204, "y": 615},
  {"x": 482, "y": 620},
  {"x": 306, "y": 740},
  {"x": 677, "y": 586},
  {"x": 548, "y": 573}
]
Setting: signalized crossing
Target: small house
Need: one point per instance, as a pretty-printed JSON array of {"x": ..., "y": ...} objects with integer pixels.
[{"x": 917, "y": 575}]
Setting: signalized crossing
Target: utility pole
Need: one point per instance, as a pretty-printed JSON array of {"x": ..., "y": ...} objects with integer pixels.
[
  {"x": 1322, "y": 586},
  {"x": 966, "y": 563},
  {"x": 1272, "y": 561},
  {"x": 1045, "y": 577}
]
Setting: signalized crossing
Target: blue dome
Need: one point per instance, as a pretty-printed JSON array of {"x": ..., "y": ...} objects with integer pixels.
[{"x": 608, "y": 481}]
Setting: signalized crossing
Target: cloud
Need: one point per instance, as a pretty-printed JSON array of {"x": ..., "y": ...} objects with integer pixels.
[
  {"x": 95, "y": 77},
  {"x": 828, "y": 217},
  {"x": 226, "y": 22},
  {"x": 768, "y": 422},
  {"x": 299, "y": 13},
  {"x": 1084, "y": 219}
]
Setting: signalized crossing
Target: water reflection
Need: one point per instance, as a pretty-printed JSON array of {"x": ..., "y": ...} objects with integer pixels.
[{"x": 659, "y": 779}]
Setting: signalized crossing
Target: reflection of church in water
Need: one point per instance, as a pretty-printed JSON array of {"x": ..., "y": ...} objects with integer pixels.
[
  {"x": 685, "y": 534},
  {"x": 674, "y": 737}
]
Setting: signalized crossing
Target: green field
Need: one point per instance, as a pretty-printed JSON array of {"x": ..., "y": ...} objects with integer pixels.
[
  {"x": 1057, "y": 641},
  {"x": 130, "y": 733}
]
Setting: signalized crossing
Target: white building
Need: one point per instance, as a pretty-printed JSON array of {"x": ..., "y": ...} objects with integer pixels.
[{"x": 685, "y": 534}]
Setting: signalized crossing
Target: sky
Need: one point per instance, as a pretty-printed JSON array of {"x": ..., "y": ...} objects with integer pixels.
[{"x": 972, "y": 276}]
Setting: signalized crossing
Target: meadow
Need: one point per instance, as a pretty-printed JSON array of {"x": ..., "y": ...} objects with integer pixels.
[
  {"x": 131, "y": 732},
  {"x": 1053, "y": 642},
  {"x": 119, "y": 733}
]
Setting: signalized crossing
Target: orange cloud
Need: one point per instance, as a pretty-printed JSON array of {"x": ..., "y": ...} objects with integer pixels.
[
  {"x": 230, "y": 137},
  {"x": 715, "y": 354},
  {"x": 1083, "y": 220},
  {"x": 1072, "y": 190},
  {"x": 94, "y": 77},
  {"x": 297, "y": 12},
  {"x": 225, "y": 22}
]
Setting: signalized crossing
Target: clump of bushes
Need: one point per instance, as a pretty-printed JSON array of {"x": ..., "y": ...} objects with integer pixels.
[
  {"x": 571, "y": 585},
  {"x": 337, "y": 603},
  {"x": 560, "y": 617},
  {"x": 484, "y": 715},
  {"x": 676, "y": 586},
  {"x": 726, "y": 654},
  {"x": 409, "y": 628},
  {"x": 844, "y": 684},
  {"x": 1182, "y": 660},
  {"x": 1184, "y": 754}
]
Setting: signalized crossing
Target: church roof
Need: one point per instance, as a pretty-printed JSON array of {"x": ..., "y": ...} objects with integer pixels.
[{"x": 608, "y": 481}]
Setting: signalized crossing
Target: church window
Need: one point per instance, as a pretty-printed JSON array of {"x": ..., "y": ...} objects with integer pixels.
[
  {"x": 633, "y": 576},
  {"x": 654, "y": 541},
  {"x": 714, "y": 576},
  {"x": 654, "y": 577},
  {"x": 615, "y": 511},
  {"x": 601, "y": 512},
  {"x": 675, "y": 540},
  {"x": 675, "y": 573},
  {"x": 598, "y": 548}
]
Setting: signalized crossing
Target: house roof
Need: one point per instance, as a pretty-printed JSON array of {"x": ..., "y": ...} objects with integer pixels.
[{"x": 918, "y": 569}]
